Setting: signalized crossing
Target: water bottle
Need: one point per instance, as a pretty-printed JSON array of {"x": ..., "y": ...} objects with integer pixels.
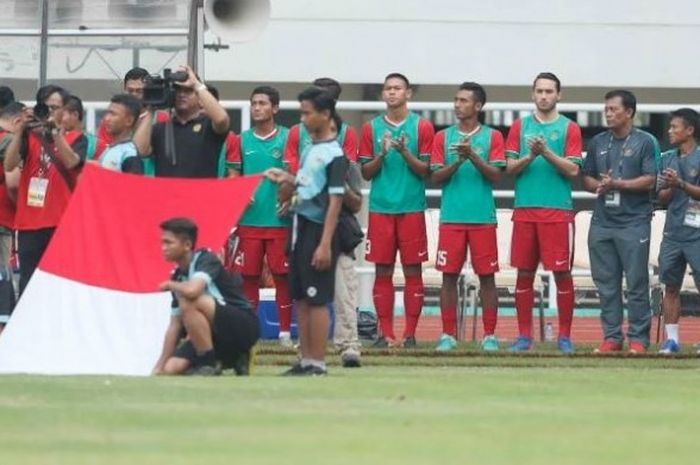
[{"x": 549, "y": 332}]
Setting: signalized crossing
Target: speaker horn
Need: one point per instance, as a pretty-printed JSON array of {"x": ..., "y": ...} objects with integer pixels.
[{"x": 237, "y": 20}]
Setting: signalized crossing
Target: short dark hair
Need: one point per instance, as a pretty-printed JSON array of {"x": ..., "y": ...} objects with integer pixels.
[
  {"x": 48, "y": 90},
  {"x": 629, "y": 101},
  {"x": 330, "y": 84},
  {"x": 184, "y": 228},
  {"x": 11, "y": 110},
  {"x": 397, "y": 76},
  {"x": 321, "y": 100},
  {"x": 6, "y": 96},
  {"x": 75, "y": 104},
  {"x": 213, "y": 91},
  {"x": 549, "y": 76},
  {"x": 272, "y": 93},
  {"x": 476, "y": 89},
  {"x": 131, "y": 103},
  {"x": 136, "y": 74},
  {"x": 690, "y": 119}
]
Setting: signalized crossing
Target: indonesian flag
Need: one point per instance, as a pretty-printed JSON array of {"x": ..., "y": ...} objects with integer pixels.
[{"x": 93, "y": 305}]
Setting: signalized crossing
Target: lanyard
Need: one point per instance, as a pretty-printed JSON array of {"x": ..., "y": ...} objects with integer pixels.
[{"x": 622, "y": 153}]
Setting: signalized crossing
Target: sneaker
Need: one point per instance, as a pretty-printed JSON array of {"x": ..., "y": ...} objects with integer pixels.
[
  {"x": 670, "y": 347},
  {"x": 608, "y": 346},
  {"x": 490, "y": 344},
  {"x": 294, "y": 370},
  {"x": 204, "y": 370},
  {"x": 409, "y": 343},
  {"x": 446, "y": 343},
  {"x": 381, "y": 343},
  {"x": 285, "y": 339},
  {"x": 521, "y": 344},
  {"x": 637, "y": 347},
  {"x": 565, "y": 345},
  {"x": 350, "y": 359},
  {"x": 241, "y": 364}
]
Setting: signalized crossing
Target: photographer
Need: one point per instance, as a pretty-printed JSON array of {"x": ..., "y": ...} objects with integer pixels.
[
  {"x": 199, "y": 128},
  {"x": 51, "y": 158}
]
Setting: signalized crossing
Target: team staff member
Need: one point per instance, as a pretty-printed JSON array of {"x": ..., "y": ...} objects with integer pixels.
[
  {"x": 10, "y": 114},
  {"x": 200, "y": 125},
  {"x": 467, "y": 159},
  {"x": 621, "y": 169},
  {"x": 208, "y": 304},
  {"x": 262, "y": 234},
  {"x": 320, "y": 186},
  {"x": 544, "y": 155},
  {"x": 120, "y": 121},
  {"x": 679, "y": 188},
  {"x": 73, "y": 121},
  {"x": 395, "y": 152},
  {"x": 51, "y": 160}
]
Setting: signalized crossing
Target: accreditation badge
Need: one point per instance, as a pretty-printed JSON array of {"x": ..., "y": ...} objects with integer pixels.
[
  {"x": 612, "y": 199},
  {"x": 692, "y": 214},
  {"x": 36, "y": 196}
]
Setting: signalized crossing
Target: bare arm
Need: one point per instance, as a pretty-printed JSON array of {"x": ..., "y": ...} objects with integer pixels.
[
  {"x": 322, "y": 255},
  {"x": 591, "y": 184},
  {"x": 66, "y": 154},
  {"x": 12, "y": 183},
  {"x": 232, "y": 173},
  {"x": 190, "y": 289},
  {"x": 644, "y": 183},
  {"x": 172, "y": 335},
  {"x": 352, "y": 200},
  {"x": 220, "y": 121},
  {"x": 142, "y": 135},
  {"x": 419, "y": 168},
  {"x": 566, "y": 168},
  {"x": 372, "y": 168},
  {"x": 12, "y": 153},
  {"x": 442, "y": 175},
  {"x": 664, "y": 196},
  {"x": 515, "y": 167},
  {"x": 490, "y": 172}
]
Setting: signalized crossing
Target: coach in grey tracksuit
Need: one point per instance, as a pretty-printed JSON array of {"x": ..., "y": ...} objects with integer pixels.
[{"x": 621, "y": 168}]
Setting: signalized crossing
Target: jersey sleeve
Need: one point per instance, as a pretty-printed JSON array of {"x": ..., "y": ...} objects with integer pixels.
[
  {"x": 132, "y": 164},
  {"x": 208, "y": 268},
  {"x": 497, "y": 152},
  {"x": 291, "y": 150},
  {"x": 437, "y": 155},
  {"x": 513, "y": 140},
  {"x": 574, "y": 144},
  {"x": 366, "y": 150},
  {"x": 350, "y": 144},
  {"x": 80, "y": 146},
  {"x": 650, "y": 156},
  {"x": 102, "y": 131},
  {"x": 590, "y": 165},
  {"x": 233, "y": 152},
  {"x": 337, "y": 171},
  {"x": 426, "y": 134}
]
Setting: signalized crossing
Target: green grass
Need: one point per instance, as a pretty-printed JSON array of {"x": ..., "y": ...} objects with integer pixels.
[{"x": 618, "y": 412}]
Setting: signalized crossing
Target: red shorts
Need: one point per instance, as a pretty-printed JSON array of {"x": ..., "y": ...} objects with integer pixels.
[
  {"x": 551, "y": 243},
  {"x": 254, "y": 243},
  {"x": 403, "y": 231},
  {"x": 452, "y": 248}
]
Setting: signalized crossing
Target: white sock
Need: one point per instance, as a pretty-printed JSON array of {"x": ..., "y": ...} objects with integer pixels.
[
  {"x": 318, "y": 363},
  {"x": 672, "y": 332},
  {"x": 305, "y": 362},
  {"x": 285, "y": 334}
]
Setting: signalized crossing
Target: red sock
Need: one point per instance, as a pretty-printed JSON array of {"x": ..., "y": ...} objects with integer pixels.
[
  {"x": 489, "y": 317},
  {"x": 449, "y": 320},
  {"x": 251, "y": 289},
  {"x": 383, "y": 296},
  {"x": 524, "y": 301},
  {"x": 565, "y": 304},
  {"x": 413, "y": 295},
  {"x": 284, "y": 303}
]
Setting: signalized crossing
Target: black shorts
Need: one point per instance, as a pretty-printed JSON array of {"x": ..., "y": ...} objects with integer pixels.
[
  {"x": 307, "y": 283},
  {"x": 234, "y": 332}
]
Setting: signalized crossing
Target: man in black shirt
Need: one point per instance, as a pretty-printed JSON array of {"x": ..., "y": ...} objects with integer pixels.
[
  {"x": 200, "y": 126},
  {"x": 208, "y": 303}
]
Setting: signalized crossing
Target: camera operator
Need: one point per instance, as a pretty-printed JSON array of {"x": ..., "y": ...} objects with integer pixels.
[
  {"x": 51, "y": 158},
  {"x": 199, "y": 128}
]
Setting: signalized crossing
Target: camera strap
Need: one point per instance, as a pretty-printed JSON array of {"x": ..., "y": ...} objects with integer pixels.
[{"x": 62, "y": 170}]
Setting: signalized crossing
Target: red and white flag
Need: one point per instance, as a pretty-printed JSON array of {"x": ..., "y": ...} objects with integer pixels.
[{"x": 93, "y": 305}]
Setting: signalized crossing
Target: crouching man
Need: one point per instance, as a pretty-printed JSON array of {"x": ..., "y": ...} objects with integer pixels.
[{"x": 208, "y": 304}]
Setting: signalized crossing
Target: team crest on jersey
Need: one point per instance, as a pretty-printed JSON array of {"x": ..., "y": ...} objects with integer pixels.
[
  {"x": 554, "y": 136},
  {"x": 628, "y": 152},
  {"x": 478, "y": 151},
  {"x": 693, "y": 172},
  {"x": 276, "y": 153}
]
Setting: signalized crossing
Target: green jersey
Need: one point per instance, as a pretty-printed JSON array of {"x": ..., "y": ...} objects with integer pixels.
[
  {"x": 396, "y": 188},
  {"x": 467, "y": 197},
  {"x": 540, "y": 185},
  {"x": 257, "y": 155}
]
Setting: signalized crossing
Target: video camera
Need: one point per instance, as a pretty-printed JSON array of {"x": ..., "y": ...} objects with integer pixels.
[
  {"x": 159, "y": 91},
  {"x": 42, "y": 113}
]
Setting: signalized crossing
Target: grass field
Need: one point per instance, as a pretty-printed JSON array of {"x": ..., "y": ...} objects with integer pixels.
[{"x": 397, "y": 410}]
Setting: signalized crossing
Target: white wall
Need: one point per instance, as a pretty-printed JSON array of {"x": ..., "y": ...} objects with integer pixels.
[{"x": 640, "y": 43}]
